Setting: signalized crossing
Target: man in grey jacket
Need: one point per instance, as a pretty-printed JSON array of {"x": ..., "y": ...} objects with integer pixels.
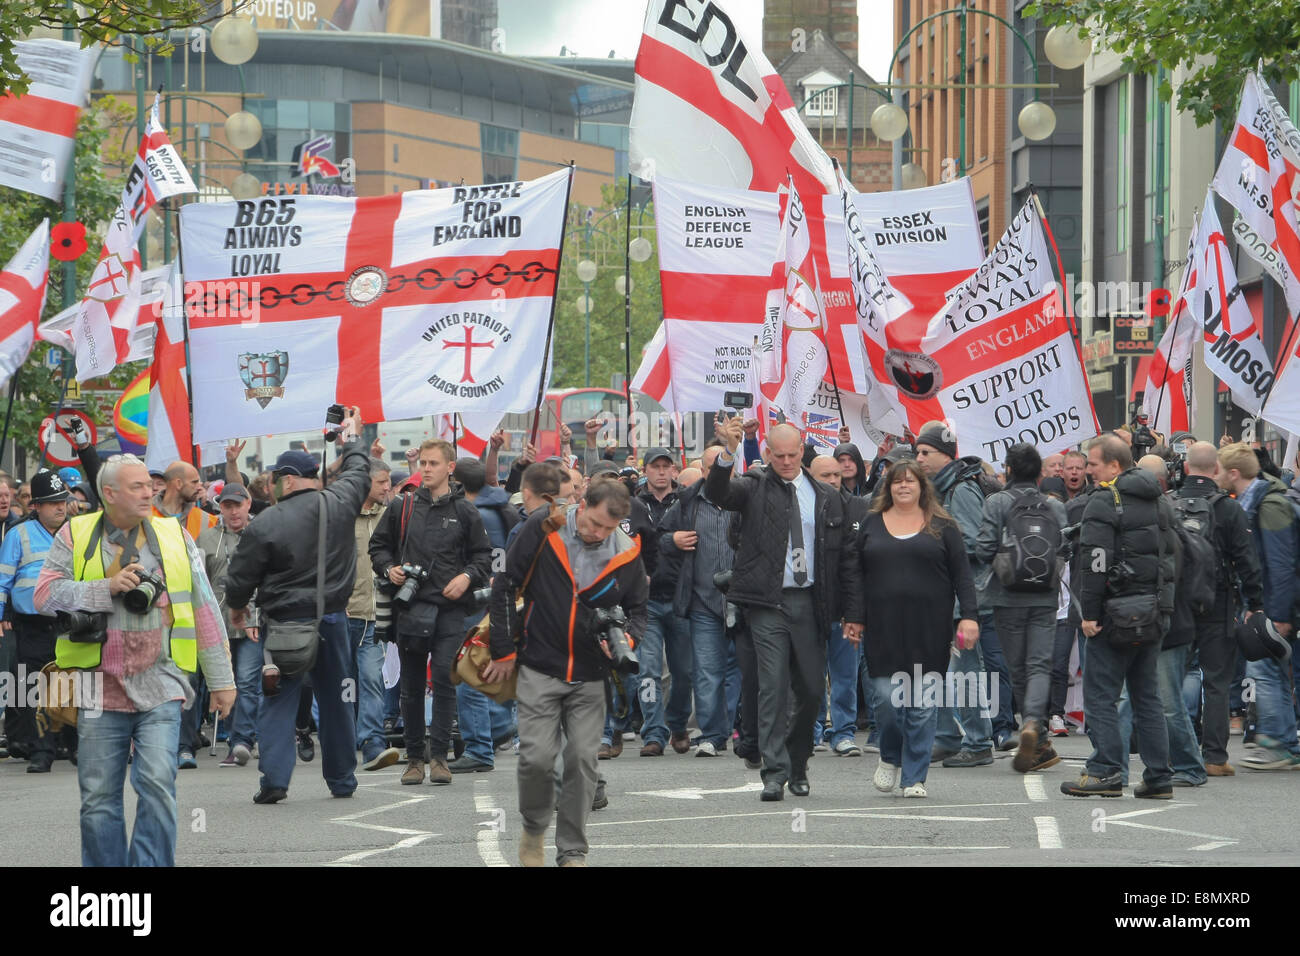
[{"x": 1018, "y": 539}]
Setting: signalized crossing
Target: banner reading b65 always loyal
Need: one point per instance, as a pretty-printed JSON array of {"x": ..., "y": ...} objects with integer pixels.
[{"x": 420, "y": 302}]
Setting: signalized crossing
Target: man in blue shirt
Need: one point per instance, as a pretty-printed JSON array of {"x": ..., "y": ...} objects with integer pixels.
[{"x": 21, "y": 556}]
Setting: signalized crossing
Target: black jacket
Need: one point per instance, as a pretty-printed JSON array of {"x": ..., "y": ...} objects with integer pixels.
[
  {"x": 681, "y": 517},
  {"x": 557, "y": 617},
  {"x": 1120, "y": 544},
  {"x": 663, "y": 575},
  {"x": 858, "y": 485},
  {"x": 764, "y": 506},
  {"x": 1239, "y": 562},
  {"x": 445, "y": 536},
  {"x": 276, "y": 556}
]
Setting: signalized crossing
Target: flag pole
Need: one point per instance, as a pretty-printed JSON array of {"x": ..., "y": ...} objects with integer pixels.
[
  {"x": 185, "y": 337},
  {"x": 1069, "y": 312},
  {"x": 1160, "y": 397},
  {"x": 627, "y": 303},
  {"x": 13, "y": 393},
  {"x": 550, "y": 326},
  {"x": 455, "y": 427}
]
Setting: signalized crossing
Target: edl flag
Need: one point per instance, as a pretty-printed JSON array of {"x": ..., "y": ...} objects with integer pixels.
[{"x": 22, "y": 297}]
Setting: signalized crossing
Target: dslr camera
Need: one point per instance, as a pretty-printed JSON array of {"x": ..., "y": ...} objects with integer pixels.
[
  {"x": 333, "y": 421},
  {"x": 415, "y": 576},
  {"x": 84, "y": 627},
  {"x": 1143, "y": 440},
  {"x": 608, "y": 625},
  {"x": 482, "y": 597},
  {"x": 144, "y": 595}
]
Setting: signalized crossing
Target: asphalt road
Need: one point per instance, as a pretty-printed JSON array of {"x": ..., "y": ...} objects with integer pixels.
[{"x": 681, "y": 810}]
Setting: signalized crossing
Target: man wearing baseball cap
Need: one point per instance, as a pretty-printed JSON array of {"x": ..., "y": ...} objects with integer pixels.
[{"x": 22, "y": 555}]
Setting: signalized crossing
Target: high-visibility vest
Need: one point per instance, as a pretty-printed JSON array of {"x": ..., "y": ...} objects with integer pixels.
[{"x": 183, "y": 646}]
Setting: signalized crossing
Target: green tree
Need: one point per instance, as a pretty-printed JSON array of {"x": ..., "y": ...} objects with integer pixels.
[
  {"x": 602, "y": 241},
  {"x": 20, "y": 212},
  {"x": 1217, "y": 41},
  {"x": 150, "y": 20}
]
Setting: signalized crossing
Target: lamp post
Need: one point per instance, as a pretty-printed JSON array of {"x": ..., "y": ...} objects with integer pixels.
[{"x": 586, "y": 271}]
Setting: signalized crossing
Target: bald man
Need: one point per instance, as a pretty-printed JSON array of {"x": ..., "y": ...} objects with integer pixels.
[
  {"x": 177, "y": 500},
  {"x": 790, "y": 590},
  {"x": 1155, "y": 466},
  {"x": 1211, "y": 633},
  {"x": 688, "y": 477},
  {"x": 1053, "y": 465}
]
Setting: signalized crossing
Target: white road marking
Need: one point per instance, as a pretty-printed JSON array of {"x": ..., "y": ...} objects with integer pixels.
[
  {"x": 1034, "y": 788},
  {"x": 1215, "y": 845},
  {"x": 488, "y": 838},
  {"x": 694, "y": 793},
  {"x": 1049, "y": 834},
  {"x": 410, "y": 837},
  {"x": 899, "y": 808},
  {"x": 784, "y": 846}
]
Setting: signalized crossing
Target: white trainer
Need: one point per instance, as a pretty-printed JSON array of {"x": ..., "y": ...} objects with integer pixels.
[
  {"x": 887, "y": 777},
  {"x": 915, "y": 790}
]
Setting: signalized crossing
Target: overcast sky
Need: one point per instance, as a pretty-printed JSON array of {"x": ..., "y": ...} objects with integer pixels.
[{"x": 594, "y": 27}]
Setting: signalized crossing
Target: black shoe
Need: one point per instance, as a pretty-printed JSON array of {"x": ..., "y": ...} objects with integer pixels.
[
  {"x": 772, "y": 791},
  {"x": 271, "y": 795},
  {"x": 1005, "y": 742},
  {"x": 970, "y": 758},
  {"x": 4, "y": 747},
  {"x": 1089, "y": 786},
  {"x": 799, "y": 787},
  {"x": 1046, "y": 757},
  {"x": 18, "y": 751},
  {"x": 1143, "y": 791},
  {"x": 306, "y": 748},
  {"x": 599, "y": 801},
  {"x": 939, "y": 754},
  {"x": 467, "y": 764},
  {"x": 40, "y": 764}
]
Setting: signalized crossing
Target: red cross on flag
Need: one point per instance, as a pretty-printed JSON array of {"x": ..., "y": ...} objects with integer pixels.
[
  {"x": 1168, "y": 400},
  {"x": 38, "y": 130},
  {"x": 469, "y": 432},
  {"x": 417, "y": 303},
  {"x": 792, "y": 345},
  {"x": 22, "y": 296},
  {"x": 110, "y": 312},
  {"x": 153, "y": 286},
  {"x": 1260, "y": 176}
]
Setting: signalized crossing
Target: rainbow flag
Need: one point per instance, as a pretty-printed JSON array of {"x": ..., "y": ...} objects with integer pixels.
[{"x": 131, "y": 415}]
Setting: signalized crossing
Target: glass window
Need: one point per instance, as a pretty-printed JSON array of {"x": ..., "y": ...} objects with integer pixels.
[
  {"x": 1155, "y": 109},
  {"x": 343, "y": 116},
  {"x": 585, "y": 405},
  {"x": 1122, "y": 171},
  {"x": 294, "y": 114},
  {"x": 824, "y": 103},
  {"x": 321, "y": 115}
]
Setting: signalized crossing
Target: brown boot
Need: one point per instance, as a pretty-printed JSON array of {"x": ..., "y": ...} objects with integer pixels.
[
  {"x": 414, "y": 772},
  {"x": 1026, "y": 756},
  {"x": 531, "y": 850},
  {"x": 439, "y": 772},
  {"x": 1220, "y": 770}
]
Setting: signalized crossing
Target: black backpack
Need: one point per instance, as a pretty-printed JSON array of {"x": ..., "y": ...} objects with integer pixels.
[
  {"x": 1027, "y": 558},
  {"x": 1199, "y": 578}
]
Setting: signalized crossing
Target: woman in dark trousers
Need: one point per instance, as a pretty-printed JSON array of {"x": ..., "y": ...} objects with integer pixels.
[{"x": 914, "y": 569}]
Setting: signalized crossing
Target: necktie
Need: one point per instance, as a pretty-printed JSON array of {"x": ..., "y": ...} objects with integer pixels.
[{"x": 800, "y": 559}]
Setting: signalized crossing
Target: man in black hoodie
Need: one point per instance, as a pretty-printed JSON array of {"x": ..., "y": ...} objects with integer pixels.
[
  {"x": 853, "y": 470},
  {"x": 436, "y": 529},
  {"x": 1127, "y": 574}
]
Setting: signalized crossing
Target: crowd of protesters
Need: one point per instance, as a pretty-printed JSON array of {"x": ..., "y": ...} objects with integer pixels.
[{"x": 926, "y": 606}]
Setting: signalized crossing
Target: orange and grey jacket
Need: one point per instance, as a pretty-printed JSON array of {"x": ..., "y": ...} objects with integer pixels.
[{"x": 556, "y": 636}]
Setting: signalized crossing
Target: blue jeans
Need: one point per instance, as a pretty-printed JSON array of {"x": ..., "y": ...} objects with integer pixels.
[
  {"x": 906, "y": 733},
  {"x": 666, "y": 636},
  {"x": 842, "y": 668},
  {"x": 716, "y": 677},
  {"x": 629, "y": 685},
  {"x": 1108, "y": 669},
  {"x": 278, "y": 747},
  {"x": 482, "y": 722},
  {"x": 967, "y": 728},
  {"x": 1273, "y": 701},
  {"x": 368, "y": 687},
  {"x": 990, "y": 645},
  {"x": 246, "y": 659},
  {"x": 1184, "y": 752},
  {"x": 103, "y": 746}
]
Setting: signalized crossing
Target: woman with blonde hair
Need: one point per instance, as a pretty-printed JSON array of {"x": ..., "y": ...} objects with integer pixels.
[{"x": 913, "y": 571}]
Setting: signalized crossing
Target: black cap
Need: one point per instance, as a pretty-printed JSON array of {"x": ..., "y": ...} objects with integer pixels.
[
  {"x": 233, "y": 491},
  {"x": 603, "y": 468},
  {"x": 48, "y": 487},
  {"x": 298, "y": 463},
  {"x": 1259, "y": 639},
  {"x": 654, "y": 454}
]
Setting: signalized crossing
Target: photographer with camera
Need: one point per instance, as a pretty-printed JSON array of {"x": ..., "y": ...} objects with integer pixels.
[
  {"x": 302, "y": 593},
  {"x": 141, "y": 616},
  {"x": 430, "y": 545},
  {"x": 577, "y": 581}
]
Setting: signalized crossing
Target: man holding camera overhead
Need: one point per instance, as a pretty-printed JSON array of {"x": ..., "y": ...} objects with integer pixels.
[
  {"x": 141, "y": 616},
  {"x": 278, "y": 558},
  {"x": 430, "y": 546},
  {"x": 584, "y": 593}
]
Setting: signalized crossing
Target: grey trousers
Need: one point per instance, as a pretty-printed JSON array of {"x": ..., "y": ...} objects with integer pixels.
[
  {"x": 791, "y": 654},
  {"x": 555, "y": 715},
  {"x": 1028, "y": 636}
]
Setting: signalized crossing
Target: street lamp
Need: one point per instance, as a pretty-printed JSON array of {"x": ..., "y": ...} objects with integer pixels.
[
  {"x": 586, "y": 270},
  {"x": 1037, "y": 120},
  {"x": 913, "y": 176},
  {"x": 888, "y": 122},
  {"x": 639, "y": 249},
  {"x": 234, "y": 41},
  {"x": 1066, "y": 49}
]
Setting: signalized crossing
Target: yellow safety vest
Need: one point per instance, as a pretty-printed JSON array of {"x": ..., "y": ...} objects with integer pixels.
[{"x": 183, "y": 646}]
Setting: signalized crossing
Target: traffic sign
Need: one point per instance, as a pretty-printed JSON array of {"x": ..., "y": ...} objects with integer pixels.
[{"x": 56, "y": 439}]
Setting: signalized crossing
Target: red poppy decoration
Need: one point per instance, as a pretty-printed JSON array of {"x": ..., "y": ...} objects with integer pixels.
[{"x": 68, "y": 241}]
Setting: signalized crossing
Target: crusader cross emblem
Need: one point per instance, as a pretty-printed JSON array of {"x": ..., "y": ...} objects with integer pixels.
[
  {"x": 263, "y": 374},
  {"x": 469, "y": 345},
  {"x": 110, "y": 271}
]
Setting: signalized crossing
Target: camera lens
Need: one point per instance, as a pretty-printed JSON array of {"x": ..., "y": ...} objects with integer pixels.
[{"x": 141, "y": 597}]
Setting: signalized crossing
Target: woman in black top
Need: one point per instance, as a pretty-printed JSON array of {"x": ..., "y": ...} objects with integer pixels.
[{"x": 914, "y": 568}]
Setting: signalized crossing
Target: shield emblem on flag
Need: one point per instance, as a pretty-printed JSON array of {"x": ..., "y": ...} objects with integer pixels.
[
  {"x": 263, "y": 375},
  {"x": 914, "y": 373}
]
